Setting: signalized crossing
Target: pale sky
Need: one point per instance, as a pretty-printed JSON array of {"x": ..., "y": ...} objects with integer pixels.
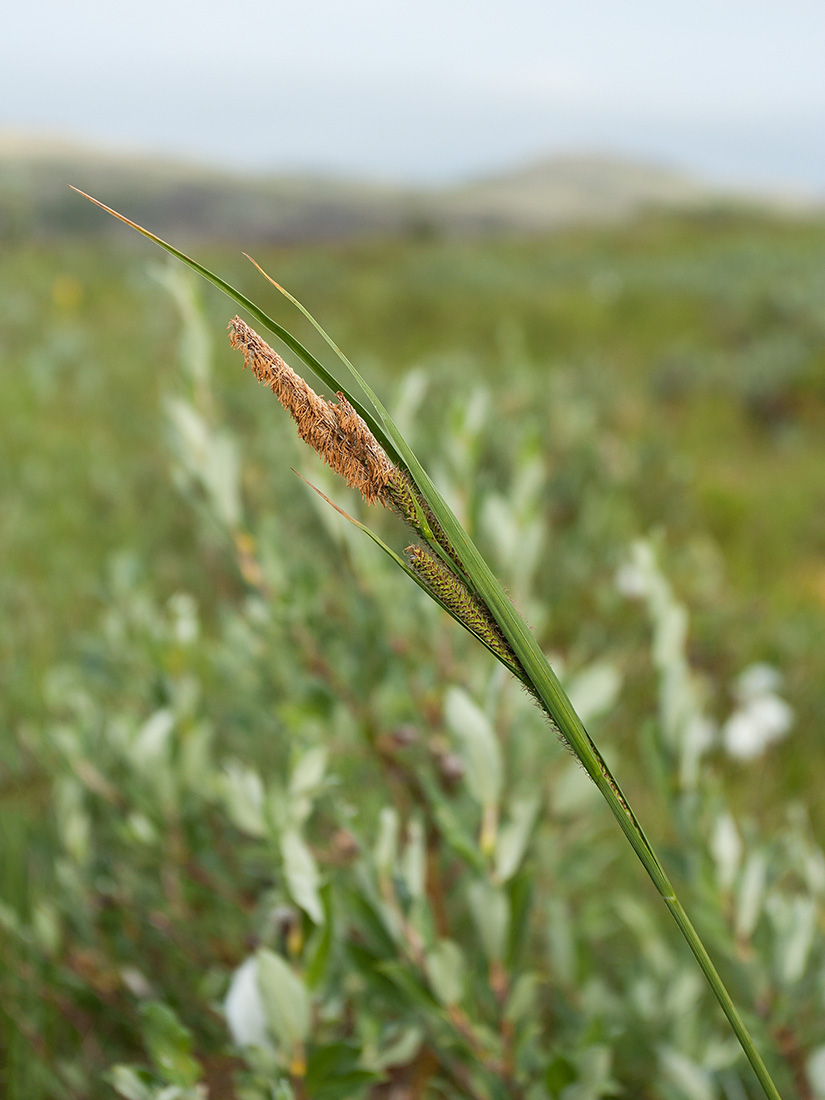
[{"x": 430, "y": 91}]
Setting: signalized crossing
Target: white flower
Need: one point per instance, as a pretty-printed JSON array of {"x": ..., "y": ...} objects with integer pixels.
[
  {"x": 631, "y": 581},
  {"x": 638, "y": 577},
  {"x": 756, "y": 680},
  {"x": 244, "y": 1007},
  {"x": 761, "y": 717}
]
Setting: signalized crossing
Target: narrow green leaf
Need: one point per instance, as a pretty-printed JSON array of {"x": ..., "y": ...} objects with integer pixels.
[{"x": 240, "y": 299}]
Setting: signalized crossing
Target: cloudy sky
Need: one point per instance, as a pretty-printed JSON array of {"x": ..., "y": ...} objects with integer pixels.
[{"x": 430, "y": 91}]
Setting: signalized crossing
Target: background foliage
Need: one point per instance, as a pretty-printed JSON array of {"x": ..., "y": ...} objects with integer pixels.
[{"x": 238, "y": 742}]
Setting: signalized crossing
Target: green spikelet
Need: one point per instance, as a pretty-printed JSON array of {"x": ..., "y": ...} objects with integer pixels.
[
  {"x": 455, "y": 595},
  {"x": 402, "y": 496}
]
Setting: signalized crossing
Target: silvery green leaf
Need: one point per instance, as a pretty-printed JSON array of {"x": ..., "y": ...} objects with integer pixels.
[
  {"x": 815, "y": 1067},
  {"x": 308, "y": 772},
  {"x": 410, "y": 393},
  {"x": 285, "y": 999},
  {"x": 813, "y": 867},
  {"x": 683, "y": 993},
  {"x": 169, "y": 1044},
  {"x": 445, "y": 971},
  {"x": 521, "y": 1001},
  {"x": 386, "y": 844},
  {"x": 561, "y": 940},
  {"x": 243, "y": 796},
  {"x": 151, "y": 743},
  {"x": 301, "y": 874},
  {"x": 244, "y": 1007},
  {"x": 652, "y": 944},
  {"x": 698, "y": 737},
  {"x": 400, "y": 1050},
  {"x": 222, "y": 479},
  {"x": 179, "y": 1092},
  {"x": 491, "y": 913},
  {"x": 193, "y": 434},
  {"x": 480, "y": 747},
  {"x": 306, "y": 778},
  {"x": 795, "y": 922},
  {"x": 131, "y": 1083},
  {"x": 594, "y": 690},
  {"x": 572, "y": 791},
  {"x": 751, "y": 895},
  {"x": 195, "y": 352},
  {"x": 514, "y": 836},
  {"x": 414, "y": 859},
  {"x": 501, "y": 527},
  {"x": 691, "y": 1081},
  {"x": 74, "y": 824},
  {"x": 141, "y": 829},
  {"x": 46, "y": 927},
  {"x": 278, "y": 809},
  {"x": 671, "y": 633},
  {"x": 196, "y": 756},
  {"x": 726, "y": 847},
  {"x": 594, "y": 1078},
  {"x": 183, "y": 611}
]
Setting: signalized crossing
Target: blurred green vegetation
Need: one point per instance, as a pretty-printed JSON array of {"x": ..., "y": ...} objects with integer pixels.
[
  {"x": 700, "y": 339},
  {"x": 666, "y": 377}
]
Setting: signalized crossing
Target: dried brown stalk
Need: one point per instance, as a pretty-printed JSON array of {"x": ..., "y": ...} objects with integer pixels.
[
  {"x": 338, "y": 434},
  {"x": 336, "y": 431}
]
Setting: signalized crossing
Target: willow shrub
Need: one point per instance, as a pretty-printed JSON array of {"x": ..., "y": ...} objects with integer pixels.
[{"x": 323, "y": 845}]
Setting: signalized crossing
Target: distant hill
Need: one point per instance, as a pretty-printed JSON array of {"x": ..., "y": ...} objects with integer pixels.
[
  {"x": 565, "y": 189},
  {"x": 191, "y": 201}
]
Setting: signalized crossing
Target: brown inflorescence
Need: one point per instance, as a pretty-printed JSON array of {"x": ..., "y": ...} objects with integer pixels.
[
  {"x": 339, "y": 435},
  {"x": 336, "y": 431},
  {"x": 345, "y": 442}
]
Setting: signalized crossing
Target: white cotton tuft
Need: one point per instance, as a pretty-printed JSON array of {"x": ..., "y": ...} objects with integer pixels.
[{"x": 761, "y": 718}]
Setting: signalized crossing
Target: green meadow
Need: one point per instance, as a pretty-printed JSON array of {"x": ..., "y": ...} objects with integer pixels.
[{"x": 572, "y": 394}]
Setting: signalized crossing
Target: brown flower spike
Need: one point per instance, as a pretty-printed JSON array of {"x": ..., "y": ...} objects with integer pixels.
[
  {"x": 345, "y": 442},
  {"x": 336, "y": 432}
]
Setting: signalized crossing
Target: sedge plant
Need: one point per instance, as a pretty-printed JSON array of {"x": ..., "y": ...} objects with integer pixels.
[{"x": 358, "y": 439}]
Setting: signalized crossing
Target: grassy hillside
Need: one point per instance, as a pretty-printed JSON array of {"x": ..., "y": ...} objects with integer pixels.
[{"x": 194, "y": 201}]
